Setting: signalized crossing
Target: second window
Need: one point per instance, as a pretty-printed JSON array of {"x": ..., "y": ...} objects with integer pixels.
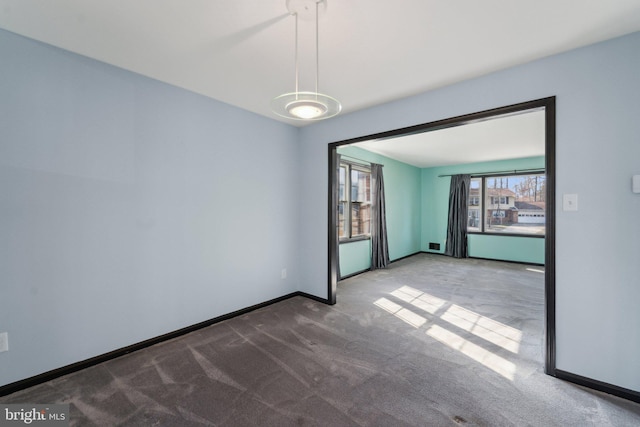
[{"x": 354, "y": 204}]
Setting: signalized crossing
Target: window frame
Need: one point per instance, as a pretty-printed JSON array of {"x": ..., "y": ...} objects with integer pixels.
[
  {"x": 482, "y": 205},
  {"x": 348, "y": 203}
]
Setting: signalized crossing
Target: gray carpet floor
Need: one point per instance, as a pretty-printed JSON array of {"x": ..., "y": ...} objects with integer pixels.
[{"x": 431, "y": 341}]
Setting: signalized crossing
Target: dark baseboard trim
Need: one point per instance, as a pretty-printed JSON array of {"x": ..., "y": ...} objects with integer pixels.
[
  {"x": 509, "y": 261},
  {"x": 490, "y": 259},
  {"x": 432, "y": 253},
  {"x": 313, "y": 297},
  {"x": 624, "y": 393},
  {"x": 391, "y": 262},
  {"x": 74, "y": 367},
  {"x": 357, "y": 273},
  {"x": 407, "y": 256}
]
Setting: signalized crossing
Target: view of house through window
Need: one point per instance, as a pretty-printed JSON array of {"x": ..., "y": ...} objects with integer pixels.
[
  {"x": 354, "y": 201},
  {"x": 507, "y": 204}
]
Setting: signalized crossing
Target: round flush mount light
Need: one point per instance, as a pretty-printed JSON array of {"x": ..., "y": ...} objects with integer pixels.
[{"x": 305, "y": 106}]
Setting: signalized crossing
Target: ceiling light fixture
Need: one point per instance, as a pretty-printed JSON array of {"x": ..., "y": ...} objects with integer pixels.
[{"x": 305, "y": 105}]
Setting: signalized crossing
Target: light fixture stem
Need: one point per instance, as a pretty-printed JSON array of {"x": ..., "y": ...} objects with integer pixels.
[
  {"x": 296, "y": 52},
  {"x": 317, "y": 48}
]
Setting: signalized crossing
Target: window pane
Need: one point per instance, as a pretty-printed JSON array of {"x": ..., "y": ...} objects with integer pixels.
[
  {"x": 342, "y": 178},
  {"x": 342, "y": 224},
  {"x": 360, "y": 186},
  {"x": 475, "y": 220},
  {"x": 360, "y": 202},
  {"x": 515, "y": 204},
  {"x": 360, "y": 219}
]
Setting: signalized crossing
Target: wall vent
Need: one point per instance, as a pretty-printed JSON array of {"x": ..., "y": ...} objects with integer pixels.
[{"x": 434, "y": 246}]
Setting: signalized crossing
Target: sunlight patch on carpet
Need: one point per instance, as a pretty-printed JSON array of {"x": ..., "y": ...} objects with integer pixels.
[
  {"x": 491, "y": 332},
  {"x": 401, "y": 313},
  {"x": 483, "y": 327},
  {"x": 419, "y": 299},
  {"x": 485, "y": 357}
]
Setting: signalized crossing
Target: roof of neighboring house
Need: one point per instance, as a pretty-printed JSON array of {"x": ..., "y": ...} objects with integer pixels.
[
  {"x": 500, "y": 192},
  {"x": 493, "y": 192},
  {"x": 531, "y": 206}
]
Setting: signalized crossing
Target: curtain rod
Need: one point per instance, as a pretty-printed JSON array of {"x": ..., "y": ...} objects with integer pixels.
[
  {"x": 355, "y": 158},
  {"x": 515, "y": 171}
]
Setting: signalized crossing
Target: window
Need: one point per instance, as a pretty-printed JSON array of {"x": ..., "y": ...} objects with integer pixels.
[
  {"x": 475, "y": 218},
  {"x": 500, "y": 200},
  {"x": 508, "y": 204},
  {"x": 354, "y": 201}
]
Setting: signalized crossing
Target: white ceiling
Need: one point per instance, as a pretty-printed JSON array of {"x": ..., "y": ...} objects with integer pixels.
[
  {"x": 241, "y": 51},
  {"x": 499, "y": 138}
]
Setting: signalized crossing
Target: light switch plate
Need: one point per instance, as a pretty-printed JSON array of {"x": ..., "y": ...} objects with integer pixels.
[
  {"x": 570, "y": 202},
  {"x": 635, "y": 184},
  {"x": 4, "y": 341}
]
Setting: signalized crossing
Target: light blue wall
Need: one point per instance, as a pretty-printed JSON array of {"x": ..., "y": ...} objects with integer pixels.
[
  {"x": 130, "y": 208},
  {"x": 597, "y": 152},
  {"x": 435, "y": 206},
  {"x": 111, "y": 188},
  {"x": 402, "y": 196}
]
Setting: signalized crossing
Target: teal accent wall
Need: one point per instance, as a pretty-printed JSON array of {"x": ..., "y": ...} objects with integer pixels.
[
  {"x": 355, "y": 257},
  {"x": 507, "y": 248},
  {"x": 435, "y": 206},
  {"x": 402, "y": 189},
  {"x": 417, "y": 211}
]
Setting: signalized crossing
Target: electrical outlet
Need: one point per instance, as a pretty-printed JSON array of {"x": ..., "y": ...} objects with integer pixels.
[
  {"x": 283, "y": 273},
  {"x": 4, "y": 341}
]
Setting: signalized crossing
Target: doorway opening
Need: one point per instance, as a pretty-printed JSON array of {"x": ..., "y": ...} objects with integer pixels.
[{"x": 547, "y": 107}]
